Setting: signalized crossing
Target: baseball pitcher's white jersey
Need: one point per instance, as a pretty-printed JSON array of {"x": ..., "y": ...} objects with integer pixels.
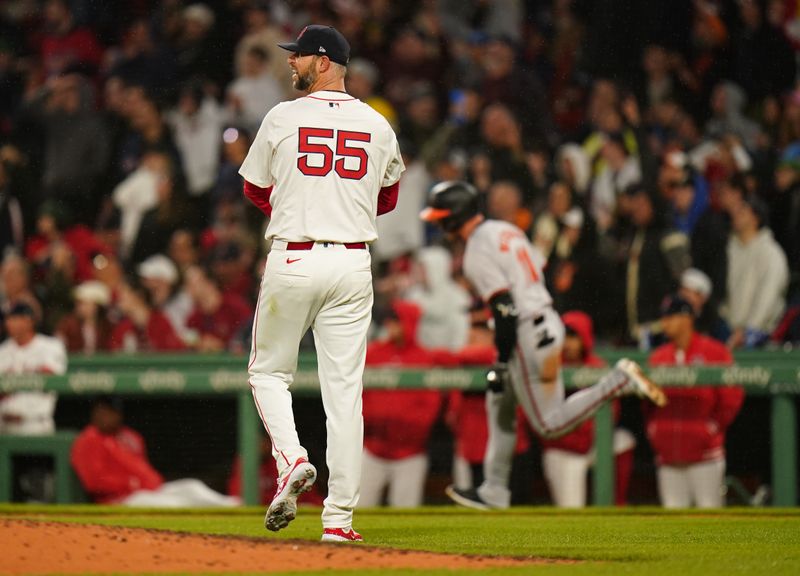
[
  {"x": 499, "y": 257},
  {"x": 326, "y": 174}
]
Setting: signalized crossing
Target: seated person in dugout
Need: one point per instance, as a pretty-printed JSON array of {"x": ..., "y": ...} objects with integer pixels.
[{"x": 112, "y": 464}]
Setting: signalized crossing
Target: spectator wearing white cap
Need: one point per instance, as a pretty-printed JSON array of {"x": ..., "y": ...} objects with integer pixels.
[
  {"x": 159, "y": 276},
  {"x": 697, "y": 289},
  {"x": 87, "y": 328},
  {"x": 198, "y": 50}
]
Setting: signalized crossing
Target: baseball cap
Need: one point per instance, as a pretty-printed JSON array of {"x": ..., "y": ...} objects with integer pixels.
[
  {"x": 697, "y": 281},
  {"x": 93, "y": 291},
  {"x": 21, "y": 309},
  {"x": 200, "y": 13},
  {"x": 573, "y": 218},
  {"x": 676, "y": 305},
  {"x": 109, "y": 401},
  {"x": 158, "y": 267},
  {"x": 319, "y": 40}
]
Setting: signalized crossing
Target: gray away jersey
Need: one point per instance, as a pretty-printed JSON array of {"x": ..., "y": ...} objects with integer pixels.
[{"x": 499, "y": 257}]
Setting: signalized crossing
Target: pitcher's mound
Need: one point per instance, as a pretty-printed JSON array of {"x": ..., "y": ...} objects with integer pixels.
[{"x": 32, "y": 547}]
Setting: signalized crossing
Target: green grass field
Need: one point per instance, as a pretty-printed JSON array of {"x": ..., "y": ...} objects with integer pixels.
[{"x": 646, "y": 541}]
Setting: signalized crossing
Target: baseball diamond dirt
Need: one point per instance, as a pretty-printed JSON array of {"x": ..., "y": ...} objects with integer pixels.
[{"x": 33, "y": 547}]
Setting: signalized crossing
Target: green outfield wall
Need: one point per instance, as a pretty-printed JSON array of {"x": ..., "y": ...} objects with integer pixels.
[{"x": 771, "y": 373}]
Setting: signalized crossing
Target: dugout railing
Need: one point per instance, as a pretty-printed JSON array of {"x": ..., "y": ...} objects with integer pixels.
[{"x": 768, "y": 373}]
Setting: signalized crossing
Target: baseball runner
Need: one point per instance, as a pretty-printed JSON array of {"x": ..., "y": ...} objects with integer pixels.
[
  {"x": 322, "y": 166},
  {"x": 506, "y": 270}
]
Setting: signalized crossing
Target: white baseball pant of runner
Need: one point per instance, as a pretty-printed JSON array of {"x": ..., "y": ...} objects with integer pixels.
[
  {"x": 545, "y": 405},
  {"x": 329, "y": 289},
  {"x": 699, "y": 485}
]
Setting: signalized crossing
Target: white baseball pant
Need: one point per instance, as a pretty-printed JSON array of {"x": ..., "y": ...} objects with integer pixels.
[
  {"x": 405, "y": 479},
  {"x": 462, "y": 473},
  {"x": 701, "y": 485},
  {"x": 180, "y": 494},
  {"x": 545, "y": 404},
  {"x": 329, "y": 289},
  {"x": 566, "y": 471}
]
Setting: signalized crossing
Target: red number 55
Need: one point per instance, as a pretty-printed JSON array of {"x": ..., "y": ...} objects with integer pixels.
[{"x": 307, "y": 147}]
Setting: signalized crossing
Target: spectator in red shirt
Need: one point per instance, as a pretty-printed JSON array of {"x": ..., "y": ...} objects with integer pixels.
[
  {"x": 87, "y": 328},
  {"x": 218, "y": 317},
  {"x": 688, "y": 434},
  {"x": 112, "y": 465},
  {"x": 566, "y": 460},
  {"x": 143, "y": 329},
  {"x": 63, "y": 247},
  {"x": 66, "y": 45},
  {"x": 397, "y": 423}
]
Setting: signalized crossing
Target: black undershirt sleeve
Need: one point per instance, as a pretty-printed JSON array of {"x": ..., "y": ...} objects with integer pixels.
[{"x": 505, "y": 325}]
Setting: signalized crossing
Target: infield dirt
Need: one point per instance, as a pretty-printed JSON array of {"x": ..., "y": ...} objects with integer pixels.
[{"x": 33, "y": 547}]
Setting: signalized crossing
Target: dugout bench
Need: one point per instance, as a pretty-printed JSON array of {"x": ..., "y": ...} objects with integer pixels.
[
  {"x": 772, "y": 373},
  {"x": 67, "y": 486}
]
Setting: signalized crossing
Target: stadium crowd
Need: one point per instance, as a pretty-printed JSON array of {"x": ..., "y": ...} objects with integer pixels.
[{"x": 646, "y": 148}]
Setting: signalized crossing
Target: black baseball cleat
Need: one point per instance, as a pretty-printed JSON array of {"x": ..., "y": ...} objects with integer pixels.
[{"x": 468, "y": 498}]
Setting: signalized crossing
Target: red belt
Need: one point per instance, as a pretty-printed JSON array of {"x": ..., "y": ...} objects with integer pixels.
[{"x": 310, "y": 244}]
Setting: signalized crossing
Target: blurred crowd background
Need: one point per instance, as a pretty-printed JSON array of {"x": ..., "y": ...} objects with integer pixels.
[
  {"x": 645, "y": 148},
  {"x": 631, "y": 140}
]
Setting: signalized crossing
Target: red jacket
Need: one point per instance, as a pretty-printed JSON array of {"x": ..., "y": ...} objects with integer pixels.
[
  {"x": 580, "y": 440},
  {"x": 397, "y": 423},
  {"x": 691, "y": 427},
  {"x": 230, "y": 317},
  {"x": 157, "y": 336},
  {"x": 111, "y": 467},
  {"x": 81, "y": 241},
  {"x": 78, "y": 46}
]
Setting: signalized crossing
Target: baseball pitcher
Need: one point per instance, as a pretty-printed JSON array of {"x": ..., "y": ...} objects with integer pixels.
[
  {"x": 322, "y": 167},
  {"x": 506, "y": 270}
]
